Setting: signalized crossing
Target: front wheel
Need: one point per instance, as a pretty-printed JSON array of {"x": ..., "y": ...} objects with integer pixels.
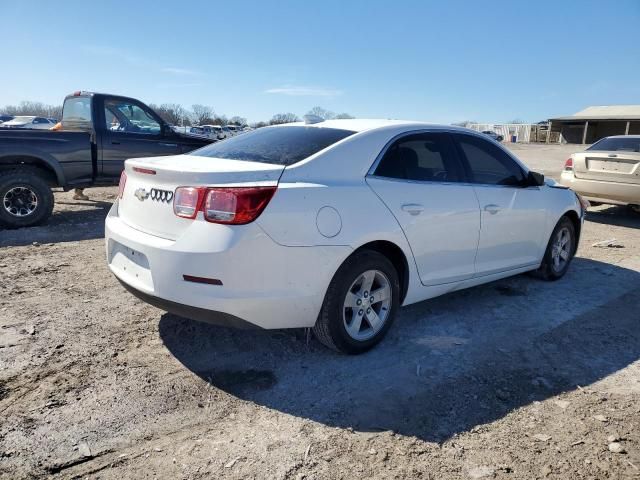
[
  {"x": 560, "y": 251},
  {"x": 360, "y": 304}
]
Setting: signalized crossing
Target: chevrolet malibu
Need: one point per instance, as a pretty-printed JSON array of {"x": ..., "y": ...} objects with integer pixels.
[{"x": 333, "y": 225}]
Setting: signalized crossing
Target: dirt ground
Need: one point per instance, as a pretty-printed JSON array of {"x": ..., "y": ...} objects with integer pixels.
[{"x": 516, "y": 379}]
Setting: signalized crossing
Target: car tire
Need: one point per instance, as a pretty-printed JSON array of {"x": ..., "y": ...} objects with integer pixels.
[
  {"x": 351, "y": 321},
  {"x": 635, "y": 208},
  {"x": 563, "y": 239},
  {"x": 25, "y": 198}
]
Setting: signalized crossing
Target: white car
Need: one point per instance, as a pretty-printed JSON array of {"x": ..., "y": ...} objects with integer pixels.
[
  {"x": 39, "y": 123},
  {"x": 334, "y": 225}
]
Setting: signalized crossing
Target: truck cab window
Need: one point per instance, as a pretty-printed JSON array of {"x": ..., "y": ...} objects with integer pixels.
[{"x": 129, "y": 118}]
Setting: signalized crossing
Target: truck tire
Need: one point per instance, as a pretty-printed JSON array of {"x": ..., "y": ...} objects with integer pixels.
[{"x": 25, "y": 198}]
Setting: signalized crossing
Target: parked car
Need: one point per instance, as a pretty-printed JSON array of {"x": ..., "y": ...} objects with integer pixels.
[
  {"x": 334, "y": 225},
  {"x": 214, "y": 131},
  {"x": 28, "y": 121},
  {"x": 228, "y": 132},
  {"x": 607, "y": 172},
  {"x": 99, "y": 132},
  {"x": 5, "y": 118},
  {"x": 494, "y": 135}
]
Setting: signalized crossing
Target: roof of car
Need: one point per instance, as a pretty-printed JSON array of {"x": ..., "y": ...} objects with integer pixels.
[{"x": 364, "y": 124}]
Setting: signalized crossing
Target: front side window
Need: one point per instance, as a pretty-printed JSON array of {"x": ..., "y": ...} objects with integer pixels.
[
  {"x": 278, "y": 145},
  {"x": 425, "y": 157},
  {"x": 129, "y": 118},
  {"x": 488, "y": 163}
]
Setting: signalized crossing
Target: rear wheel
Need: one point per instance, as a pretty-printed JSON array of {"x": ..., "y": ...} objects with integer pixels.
[
  {"x": 560, "y": 251},
  {"x": 360, "y": 304},
  {"x": 25, "y": 198}
]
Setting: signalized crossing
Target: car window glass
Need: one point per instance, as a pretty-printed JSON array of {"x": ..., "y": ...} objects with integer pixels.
[
  {"x": 129, "y": 118},
  {"x": 284, "y": 145},
  {"x": 425, "y": 157},
  {"x": 617, "y": 144},
  {"x": 488, "y": 163},
  {"x": 77, "y": 109}
]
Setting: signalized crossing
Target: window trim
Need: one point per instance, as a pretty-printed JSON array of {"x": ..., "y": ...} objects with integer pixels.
[
  {"x": 467, "y": 167},
  {"x": 374, "y": 166}
]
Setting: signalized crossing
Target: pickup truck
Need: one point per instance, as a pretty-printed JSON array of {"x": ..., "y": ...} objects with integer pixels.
[{"x": 98, "y": 133}]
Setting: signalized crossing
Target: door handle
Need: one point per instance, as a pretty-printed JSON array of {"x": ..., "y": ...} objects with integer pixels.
[
  {"x": 492, "y": 208},
  {"x": 413, "y": 208},
  {"x": 115, "y": 143},
  {"x": 168, "y": 144}
]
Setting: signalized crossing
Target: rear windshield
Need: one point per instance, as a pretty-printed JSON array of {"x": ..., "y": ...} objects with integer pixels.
[
  {"x": 630, "y": 144},
  {"x": 279, "y": 145},
  {"x": 77, "y": 109}
]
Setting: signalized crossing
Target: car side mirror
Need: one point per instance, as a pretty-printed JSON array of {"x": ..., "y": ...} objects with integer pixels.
[{"x": 535, "y": 179}]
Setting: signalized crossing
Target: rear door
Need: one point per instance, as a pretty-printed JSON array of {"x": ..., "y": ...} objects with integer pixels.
[
  {"x": 513, "y": 216},
  {"x": 613, "y": 159},
  {"x": 420, "y": 179},
  {"x": 130, "y": 130}
]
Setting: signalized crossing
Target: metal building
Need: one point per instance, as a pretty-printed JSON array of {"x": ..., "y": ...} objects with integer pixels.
[{"x": 593, "y": 123}]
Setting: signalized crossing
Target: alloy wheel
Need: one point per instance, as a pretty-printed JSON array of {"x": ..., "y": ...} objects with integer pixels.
[
  {"x": 367, "y": 305},
  {"x": 20, "y": 201},
  {"x": 561, "y": 249}
]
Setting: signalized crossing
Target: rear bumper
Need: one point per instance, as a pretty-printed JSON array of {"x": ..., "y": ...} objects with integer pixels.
[
  {"x": 601, "y": 191},
  {"x": 264, "y": 284}
]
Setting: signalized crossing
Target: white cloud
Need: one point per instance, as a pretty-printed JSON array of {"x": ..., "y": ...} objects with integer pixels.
[
  {"x": 300, "y": 91},
  {"x": 179, "y": 71}
]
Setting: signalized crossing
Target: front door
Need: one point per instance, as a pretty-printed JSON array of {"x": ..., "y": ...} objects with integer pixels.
[
  {"x": 419, "y": 178},
  {"x": 513, "y": 216},
  {"x": 131, "y": 131}
]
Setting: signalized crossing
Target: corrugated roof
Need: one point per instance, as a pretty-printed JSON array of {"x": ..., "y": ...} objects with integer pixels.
[{"x": 606, "y": 112}]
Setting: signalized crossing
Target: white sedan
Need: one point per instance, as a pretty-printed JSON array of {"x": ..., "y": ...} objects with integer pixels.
[
  {"x": 334, "y": 225},
  {"x": 37, "y": 123}
]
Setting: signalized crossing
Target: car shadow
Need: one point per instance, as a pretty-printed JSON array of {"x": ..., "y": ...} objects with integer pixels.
[
  {"x": 617, "y": 215},
  {"x": 448, "y": 364},
  {"x": 85, "y": 222}
]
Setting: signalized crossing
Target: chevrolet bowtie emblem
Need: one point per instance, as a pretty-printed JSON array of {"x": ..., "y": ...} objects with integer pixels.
[{"x": 141, "y": 194}]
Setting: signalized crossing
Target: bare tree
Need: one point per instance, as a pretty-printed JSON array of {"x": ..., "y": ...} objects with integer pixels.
[
  {"x": 172, "y": 113},
  {"x": 517, "y": 121},
  {"x": 344, "y": 115},
  {"x": 280, "y": 118},
  {"x": 236, "y": 120},
  {"x": 259, "y": 124},
  {"x": 202, "y": 114},
  {"x": 37, "y": 109},
  {"x": 322, "y": 113}
]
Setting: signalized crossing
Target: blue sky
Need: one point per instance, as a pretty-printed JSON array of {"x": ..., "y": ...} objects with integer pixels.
[{"x": 442, "y": 61}]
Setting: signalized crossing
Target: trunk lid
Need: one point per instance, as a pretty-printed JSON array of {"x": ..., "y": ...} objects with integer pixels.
[
  {"x": 147, "y": 201},
  {"x": 614, "y": 166}
]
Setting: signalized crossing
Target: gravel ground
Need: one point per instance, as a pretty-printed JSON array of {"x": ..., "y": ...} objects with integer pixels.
[{"x": 514, "y": 379}]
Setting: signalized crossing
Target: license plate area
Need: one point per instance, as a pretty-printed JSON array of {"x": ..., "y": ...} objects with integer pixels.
[
  {"x": 611, "y": 166},
  {"x": 131, "y": 265}
]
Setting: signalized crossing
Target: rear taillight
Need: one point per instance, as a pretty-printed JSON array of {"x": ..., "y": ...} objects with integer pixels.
[
  {"x": 236, "y": 205},
  {"x": 227, "y": 205},
  {"x": 186, "y": 201},
  {"x": 568, "y": 165},
  {"x": 121, "y": 185}
]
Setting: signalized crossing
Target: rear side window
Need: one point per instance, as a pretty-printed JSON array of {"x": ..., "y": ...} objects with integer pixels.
[
  {"x": 488, "y": 163},
  {"x": 278, "y": 145},
  {"x": 77, "y": 109},
  {"x": 629, "y": 144},
  {"x": 424, "y": 157}
]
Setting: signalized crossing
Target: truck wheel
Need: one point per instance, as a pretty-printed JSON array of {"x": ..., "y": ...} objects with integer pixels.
[{"x": 25, "y": 198}]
